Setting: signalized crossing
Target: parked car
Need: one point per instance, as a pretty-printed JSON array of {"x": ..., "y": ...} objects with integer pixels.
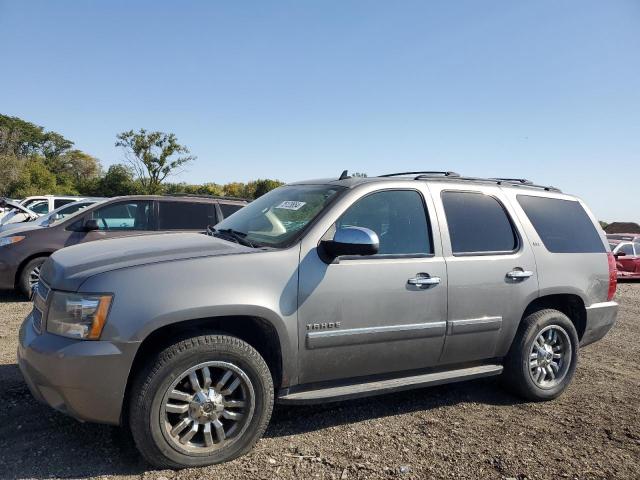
[
  {"x": 31, "y": 208},
  {"x": 58, "y": 214},
  {"x": 315, "y": 292},
  {"x": 23, "y": 251},
  {"x": 627, "y": 254}
]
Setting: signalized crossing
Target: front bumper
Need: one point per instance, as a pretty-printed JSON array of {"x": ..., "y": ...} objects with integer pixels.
[
  {"x": 7, "y": 276},
  {"x": 600, "y": 318},
  {"x": 84, "y": 379}
]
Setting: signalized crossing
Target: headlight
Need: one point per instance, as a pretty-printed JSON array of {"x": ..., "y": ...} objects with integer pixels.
[
  {"x": 78, "y": 315},
  {"x": 11, "y": 240}
]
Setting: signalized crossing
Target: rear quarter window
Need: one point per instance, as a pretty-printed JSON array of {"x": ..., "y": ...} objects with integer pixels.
[{"x": 563, "y": 225}]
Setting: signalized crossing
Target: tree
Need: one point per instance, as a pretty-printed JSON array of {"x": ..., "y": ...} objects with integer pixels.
[
  {"x": 34, "y": 179},
  {"x": 153, "y": 156},
  {"x": 117, "y": 181},
  {"x": 259, "y": 187}
]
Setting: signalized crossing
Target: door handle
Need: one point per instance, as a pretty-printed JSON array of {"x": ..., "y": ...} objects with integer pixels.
[
  {"x": 423, "y": 280},
  {"x": 519, "y": 274}
]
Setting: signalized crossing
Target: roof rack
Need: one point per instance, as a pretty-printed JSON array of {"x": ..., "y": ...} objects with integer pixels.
[
  {"x": 446, "y": 175},
  {"x": 428, "y": 173},
  {"x": 204, "y": 195}
]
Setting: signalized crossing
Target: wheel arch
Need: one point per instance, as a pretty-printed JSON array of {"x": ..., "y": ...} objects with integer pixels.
[
  {"x": 26, "y": 260},
  {"x": 572, "y": 305},
  {"x": 257, "y": 331}
]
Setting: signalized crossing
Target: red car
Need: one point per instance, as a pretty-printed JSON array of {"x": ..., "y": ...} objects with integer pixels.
[{"x": 626, "y": 249}]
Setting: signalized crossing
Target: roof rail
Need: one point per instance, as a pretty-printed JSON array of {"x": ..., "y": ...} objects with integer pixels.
[
  {"x": 522, "y": 181},
  {"x": 427, "y": 173},
  {"x": 204, "y": 195}
]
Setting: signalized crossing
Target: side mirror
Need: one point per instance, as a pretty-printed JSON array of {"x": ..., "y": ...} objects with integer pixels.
[
  {"x": 620, "y": 254},
  {"x": 90, "y": 225},
  {"x": 352, "y": 241}
]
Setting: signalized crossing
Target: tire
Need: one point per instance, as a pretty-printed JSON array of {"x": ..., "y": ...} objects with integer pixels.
[
  {"x": 534, "y": 378},
  {"x": 159, "y": 420},
  {"x": 32, "y": 267}
]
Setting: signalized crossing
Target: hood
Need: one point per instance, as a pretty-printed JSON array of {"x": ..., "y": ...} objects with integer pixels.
[
  {"x": 67, "y": 268},
  {"x": 18, "y": 228}
]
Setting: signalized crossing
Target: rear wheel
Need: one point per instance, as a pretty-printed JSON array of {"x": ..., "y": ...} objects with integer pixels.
[
  {"x": 30, "y": 275},
  {"x": 204, "y": 400},
  {"x": 543, "y": 357}
]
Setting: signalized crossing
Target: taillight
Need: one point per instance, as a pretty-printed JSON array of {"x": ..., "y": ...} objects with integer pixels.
[{"x": 613, "y": 276}]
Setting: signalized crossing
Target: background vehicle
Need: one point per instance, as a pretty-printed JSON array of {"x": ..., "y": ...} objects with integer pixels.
[
  {"x": 319, "y": 291},
  {"x": 23, "y": 251},
  {"x": 627, "y": 254},
  {"x": 58, "y": 214},
  {"x": 33, "y": 207}
]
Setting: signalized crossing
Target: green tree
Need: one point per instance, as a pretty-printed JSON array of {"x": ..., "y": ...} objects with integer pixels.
[
  {"x": 34, "y": 179},
  {"x": 117, "y": 181},
  {"x": 261, "y": 186},
  {"x": 153, "y": 156}
]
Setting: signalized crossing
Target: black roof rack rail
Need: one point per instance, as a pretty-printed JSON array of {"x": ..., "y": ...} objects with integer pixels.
[
  {"x": 422, "y": 174},
  {"x": 204, "y": 195}
]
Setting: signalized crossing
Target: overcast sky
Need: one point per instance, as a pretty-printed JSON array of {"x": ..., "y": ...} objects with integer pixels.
[{"x": 547, "y": 90}]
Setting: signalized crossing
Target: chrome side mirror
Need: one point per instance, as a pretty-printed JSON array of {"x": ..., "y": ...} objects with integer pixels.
[{"x": 352, "y": 241}]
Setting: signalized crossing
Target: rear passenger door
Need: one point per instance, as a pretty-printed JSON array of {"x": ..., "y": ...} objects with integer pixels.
[
  {"x": 490, "y": 268},
  {"x": 174, "y": 215}
]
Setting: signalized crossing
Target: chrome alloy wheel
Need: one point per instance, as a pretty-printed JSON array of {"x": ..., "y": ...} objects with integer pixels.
[
  {"x": 34, "y": 276},
  {"x": 550, "y": 357},
  {"x": 208, "y": 407}
]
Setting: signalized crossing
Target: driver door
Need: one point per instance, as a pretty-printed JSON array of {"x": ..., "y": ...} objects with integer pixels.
[{"x": 359, "y": 315}]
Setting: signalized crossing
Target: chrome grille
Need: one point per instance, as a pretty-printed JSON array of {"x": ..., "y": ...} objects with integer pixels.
[{"x": 40, "y": 295}]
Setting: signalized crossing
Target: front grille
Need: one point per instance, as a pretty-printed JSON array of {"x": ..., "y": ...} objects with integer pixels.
[
  {"x": 41, "y": 293},
  {"x": 36, "y": 315}
]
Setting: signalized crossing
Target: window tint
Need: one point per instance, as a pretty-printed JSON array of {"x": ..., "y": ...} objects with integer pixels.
[
  {"x": 229, "y": 208},
  {"x": 39, "y": 207},
  {"x": 477, "y": 223},
  {"x": 626, "y": 248},
  {"x": 563, "y": 225},
  {"x": 397, "y": 216},
  {"x": 134, "y": 215},
  {"x": 186, "y": 216},
  {"x": 60, "y": 202}
]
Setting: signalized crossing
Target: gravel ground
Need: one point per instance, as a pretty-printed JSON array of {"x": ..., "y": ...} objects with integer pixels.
[{"x": 466, "y": 430}]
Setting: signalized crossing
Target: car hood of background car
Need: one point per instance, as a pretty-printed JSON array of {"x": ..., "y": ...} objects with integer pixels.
[
  {"x": 66, "y": 269},
  {"x": 17, "y": 228}
]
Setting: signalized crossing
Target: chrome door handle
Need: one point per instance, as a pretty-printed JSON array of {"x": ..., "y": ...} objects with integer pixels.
[
  {"x": 423, "y": 281},
  {"x": 517, "y": 274}
]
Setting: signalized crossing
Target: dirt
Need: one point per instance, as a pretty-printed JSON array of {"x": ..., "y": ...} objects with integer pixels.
[{"x": 467, "y": 430}]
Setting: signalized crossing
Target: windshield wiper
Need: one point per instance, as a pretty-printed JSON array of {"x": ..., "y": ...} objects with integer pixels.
[{"x": 232, "y": 235}]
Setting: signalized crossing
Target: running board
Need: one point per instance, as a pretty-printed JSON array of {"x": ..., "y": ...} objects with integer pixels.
[{"x": 380, "y": 387}]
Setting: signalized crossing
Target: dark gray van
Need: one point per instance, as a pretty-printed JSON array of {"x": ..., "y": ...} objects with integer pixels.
[{"x": 24, "y": 250}]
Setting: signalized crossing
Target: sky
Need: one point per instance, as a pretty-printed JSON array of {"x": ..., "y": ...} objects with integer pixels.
[{"x": 547, "y": 90}]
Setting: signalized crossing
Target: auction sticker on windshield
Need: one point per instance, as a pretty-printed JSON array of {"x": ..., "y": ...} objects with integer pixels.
[{"x": 291, "y": 205}]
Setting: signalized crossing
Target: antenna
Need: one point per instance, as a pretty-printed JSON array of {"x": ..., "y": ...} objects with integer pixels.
[{"x": 344, "y": 175}]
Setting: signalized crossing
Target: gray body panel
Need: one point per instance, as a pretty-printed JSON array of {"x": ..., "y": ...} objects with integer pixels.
[{"x": 343, "y": 321}]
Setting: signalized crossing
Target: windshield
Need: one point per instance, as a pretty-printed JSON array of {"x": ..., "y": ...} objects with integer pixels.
[{"x": 278, "y": 217}]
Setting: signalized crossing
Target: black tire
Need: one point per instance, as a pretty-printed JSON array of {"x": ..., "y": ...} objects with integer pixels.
[
  {"x": 520, "y": 375},
  {"x": 149, "y": 389},
  {"x": 24, "y": 280}
]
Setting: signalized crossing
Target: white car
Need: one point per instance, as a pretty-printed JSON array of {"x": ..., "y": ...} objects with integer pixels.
[
  {"x": 33, "y": 207},
  {"x": 46, "y": 220}
]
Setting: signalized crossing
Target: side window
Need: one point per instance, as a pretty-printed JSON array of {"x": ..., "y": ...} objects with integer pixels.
[
  {"x": 135, "y": 215},
  {"x": 57, "y": 203},
  {"x": 478, "y": 223},
  {"x": 397, "y": 216},
  {"x": 229, "y": 208},
  {"x": 186, "y": 216},
  {"x": 637, "y": 245},
  {"x": 626, "y": 248},
  {"x": 563, "y": 225},
  {"x": 39, "y": 207}
]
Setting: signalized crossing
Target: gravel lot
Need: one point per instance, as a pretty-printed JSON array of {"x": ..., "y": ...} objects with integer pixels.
[{"x": 467, "y": 430}]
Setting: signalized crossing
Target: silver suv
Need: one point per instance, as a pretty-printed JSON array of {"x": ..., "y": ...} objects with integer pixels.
[{"x": 318, "y": 291}]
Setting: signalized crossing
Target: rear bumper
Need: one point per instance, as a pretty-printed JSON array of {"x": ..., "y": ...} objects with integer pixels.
[
  {"x": 84, "y": 379},
  {"x": 600, "y": 318}
]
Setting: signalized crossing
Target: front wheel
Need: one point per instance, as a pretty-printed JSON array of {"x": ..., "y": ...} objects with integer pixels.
[
  {"x": 543, "y": 356},
  {"x": 204, "y": 400},
  {"x": 30, "y": 275}
]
